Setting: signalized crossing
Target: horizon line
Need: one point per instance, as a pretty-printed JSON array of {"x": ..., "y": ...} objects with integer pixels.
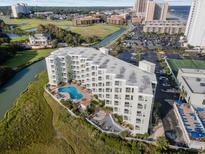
[{"x": 80, "y": 6}]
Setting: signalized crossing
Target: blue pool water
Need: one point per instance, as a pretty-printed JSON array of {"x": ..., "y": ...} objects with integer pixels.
[{"x": 74, "y": 94}]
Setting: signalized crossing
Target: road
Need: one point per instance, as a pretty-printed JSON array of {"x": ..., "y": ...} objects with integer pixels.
[
  {"x": 163, "y": 96},
  {"x": 166, "y": 99}
]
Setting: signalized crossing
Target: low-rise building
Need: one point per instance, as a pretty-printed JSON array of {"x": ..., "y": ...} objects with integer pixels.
[
  {"x": 129, "y": 90},
  {"x": 45, "y": 13},
  {"x": 86, "y": 20},
  {"x": 40, "y": 40},
  {"x": 192, "y": 122},
  {"x": 192, "y": 83},
  {"x": 190, "y": 111},
  {"x": 116, "y": 20},
  {"x": 168, "y": 26},
  {"x": 136, "y": 20}
]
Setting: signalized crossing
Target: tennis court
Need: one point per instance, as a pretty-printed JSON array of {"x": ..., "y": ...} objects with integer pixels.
[{"x": 176, "y": 64}]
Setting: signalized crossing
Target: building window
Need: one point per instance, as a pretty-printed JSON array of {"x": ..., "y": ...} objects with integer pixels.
[
  {"x": 108, "y": 77},
  {"x": 117, "y": 97},
  {"x": 108, "y": 90},
  {"x": 116, "y": 103},
  {"x": 100, "y": 78},
  {"x": 115, "y": 109},
  {"x": 127, "y": 104},
  {"x": 139, "y": 113},
  {"x": 138, "y": 121},
  {"x": 107, "y": 102},
  {"x": 139, "y": 106},
  {"x": 125, "y": 117},
  {"x": 137, "y": 127},
  {"x": 126, "y": 111},
  {"x": 100, "y": 72},
  {"x": 141, "y": 98},
  {"x": 118, "y": 90},
  {"x": 107, "y": 95},
  {"x": 128, "y": 90},
  {"x": 93, "y": 67},
  {"x": 127, "y": 97},
  {"x": 117, "y": 83},
  {"x": 203, "y": 102},
  {"x": 108, "y": 84},
  {"x": 93, "y": 79}
]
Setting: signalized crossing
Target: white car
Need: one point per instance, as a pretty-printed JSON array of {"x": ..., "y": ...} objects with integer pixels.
[
  {"x": 163, "y": 78},
  {"x": 166, "y": 85}
]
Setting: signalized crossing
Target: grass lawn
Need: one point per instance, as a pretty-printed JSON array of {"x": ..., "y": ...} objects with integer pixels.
[
  {"x": 19, "y": 39},
  {"x": 27, "y": 57},
  {"x": 100, "y": 30},
  {"x": 26, "y": 24},
  {"x": 176, "y": 64}
]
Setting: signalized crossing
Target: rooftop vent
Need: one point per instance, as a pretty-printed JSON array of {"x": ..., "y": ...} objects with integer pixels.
[
  {"x": 198, "y": 79},
  {"x": 202, "y": 84}
]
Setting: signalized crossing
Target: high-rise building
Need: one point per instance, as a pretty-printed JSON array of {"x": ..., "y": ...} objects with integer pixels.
[
  {"x": 195, "y": 29},
  {"x": 164, "y": 11},
  {"x": 129, "y": 90},
  {"x": 156, "y": 11},
  {"x": 140, "y": 7},
  {"x": 150, "y": 11},
  {"x": 19, "y": 9}
]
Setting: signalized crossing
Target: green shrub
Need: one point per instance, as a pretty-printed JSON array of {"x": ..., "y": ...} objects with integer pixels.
[{"x": 29, "y": 121}]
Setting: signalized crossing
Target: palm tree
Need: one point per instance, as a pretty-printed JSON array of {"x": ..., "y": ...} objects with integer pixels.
[
  {"x": 183, "y": 94},
  {"x": 162, "y": 143}
]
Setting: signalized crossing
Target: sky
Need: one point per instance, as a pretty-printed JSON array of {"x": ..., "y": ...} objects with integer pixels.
[{"x": 84, "y": 2}]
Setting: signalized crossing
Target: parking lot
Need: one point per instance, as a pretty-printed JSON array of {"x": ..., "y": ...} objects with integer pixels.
[{"x": 139, "y": 39}]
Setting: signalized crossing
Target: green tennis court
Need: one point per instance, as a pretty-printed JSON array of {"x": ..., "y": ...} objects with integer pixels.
[{"x": 176, "y": 64}]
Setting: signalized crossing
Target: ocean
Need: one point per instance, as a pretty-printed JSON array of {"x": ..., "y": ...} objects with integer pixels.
[{"x": 180, "y": 11}]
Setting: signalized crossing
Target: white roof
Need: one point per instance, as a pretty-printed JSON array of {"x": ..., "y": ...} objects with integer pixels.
[
  {"x": 195, "y": 79},
  {"x": 147, "y": 62},
  {"x": 133, "y": 75}
]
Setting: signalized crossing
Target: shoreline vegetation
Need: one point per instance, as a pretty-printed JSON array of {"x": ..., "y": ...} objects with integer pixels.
[{"x": 38, "y": 124}]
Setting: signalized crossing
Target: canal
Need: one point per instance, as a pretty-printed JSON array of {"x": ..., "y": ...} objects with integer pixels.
[
  {"x": 14, "y": 87},
  {"x": 107, "y": 40}
]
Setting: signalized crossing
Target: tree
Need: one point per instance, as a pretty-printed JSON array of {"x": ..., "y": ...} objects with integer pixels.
[
  {"x": 190, "y": 46},
  {"x": 54, "y": 43},
  {"x": 61, "y": 35},
  {"x": 162, "y": 143}
]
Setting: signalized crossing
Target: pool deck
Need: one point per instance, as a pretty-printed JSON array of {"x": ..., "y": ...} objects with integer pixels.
[{"x": 87, "y": 96}]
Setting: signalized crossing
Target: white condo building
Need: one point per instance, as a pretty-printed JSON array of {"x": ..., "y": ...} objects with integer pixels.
[
  {"x": 192, "y": 82},
  {"x": 18, "y": 9},
  {"x": 195, "y": 30},
  {"x": 128, "y": 89}
]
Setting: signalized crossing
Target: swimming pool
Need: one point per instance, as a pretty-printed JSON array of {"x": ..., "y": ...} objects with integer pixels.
[{"x": 74, "y": 94}]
